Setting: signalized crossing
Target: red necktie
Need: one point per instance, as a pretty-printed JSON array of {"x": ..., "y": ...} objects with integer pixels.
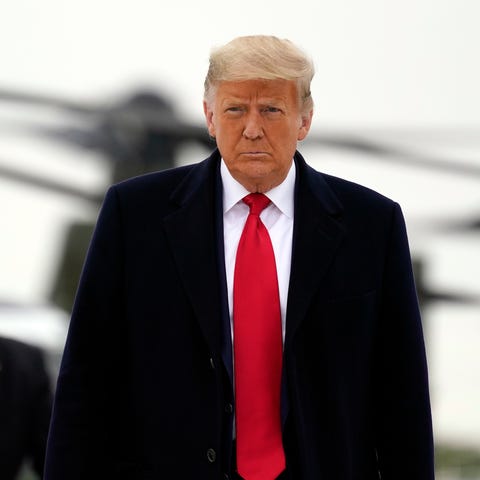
[{"x": 257, "y": 350}]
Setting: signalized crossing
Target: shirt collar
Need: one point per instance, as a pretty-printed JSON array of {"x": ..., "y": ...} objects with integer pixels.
[{"x": 281, "y": 196}]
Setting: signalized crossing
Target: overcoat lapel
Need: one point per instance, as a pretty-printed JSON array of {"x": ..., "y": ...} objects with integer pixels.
[
  {"x": 195, "y": 232},
  {"x": 318, "y": 232},
  {"x": 192, "y": 231}
]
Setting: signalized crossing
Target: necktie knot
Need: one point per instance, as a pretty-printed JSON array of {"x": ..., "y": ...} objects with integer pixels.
[{"x": 256, "y": 202}]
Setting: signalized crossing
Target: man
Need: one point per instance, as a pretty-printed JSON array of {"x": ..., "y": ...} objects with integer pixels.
[
  {"x": 25, "y": 407},
  {"x": 222, "y": 333}
]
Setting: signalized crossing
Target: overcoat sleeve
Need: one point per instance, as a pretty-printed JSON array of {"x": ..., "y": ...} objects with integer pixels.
[
  {"x": 89, "y": 382},
  {"x": 402, "y": 414}
]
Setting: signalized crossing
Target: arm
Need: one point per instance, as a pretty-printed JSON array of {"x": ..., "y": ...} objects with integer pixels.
[
  {"x": 78, "y": 433},
  {"x": 404, "y": 439}
]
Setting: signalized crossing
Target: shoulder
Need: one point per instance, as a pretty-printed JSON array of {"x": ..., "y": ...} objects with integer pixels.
[
  {"x": 20, "y": 354},
  {"x": 12, "y": 346},
  {"x": 158, "y": 184},
  {"x": 359, "y": 208},
  {"x": 340, "y": 191},
  {"x": 366, "y": 210},
  {"x": 351, "y": 193},
  {"x": 161, "y": 188}
]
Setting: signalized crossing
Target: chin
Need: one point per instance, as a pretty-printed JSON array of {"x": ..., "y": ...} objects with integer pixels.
[{"x": 257, "y": 173}]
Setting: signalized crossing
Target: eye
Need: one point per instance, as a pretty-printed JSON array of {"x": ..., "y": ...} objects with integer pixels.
[
  {"x": 233, "y": 109},
  {"x": 271, "y": 109}
]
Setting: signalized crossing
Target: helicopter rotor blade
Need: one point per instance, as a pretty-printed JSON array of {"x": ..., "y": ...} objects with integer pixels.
[
  {"x": 430, "y": 296},
  {"x": 151, "y": 112},
  {"x": 49, "y": 185},
  {"x": 396, "y": 155},
  {"x": 13, "y": 96}
]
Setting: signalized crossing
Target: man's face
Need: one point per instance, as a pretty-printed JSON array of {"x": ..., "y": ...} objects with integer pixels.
[{"x": 257, "y": 124}]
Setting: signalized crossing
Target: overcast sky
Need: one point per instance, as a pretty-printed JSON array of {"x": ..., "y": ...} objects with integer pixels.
[{"x": 378, "y": 62}]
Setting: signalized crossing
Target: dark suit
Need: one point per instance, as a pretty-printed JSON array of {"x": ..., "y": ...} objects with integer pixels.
[
  {"x": 145, "y": 386},
  {"x": 25, "y": 407}
]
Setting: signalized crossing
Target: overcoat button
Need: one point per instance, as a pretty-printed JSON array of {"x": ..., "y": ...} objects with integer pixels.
[
  {"x": 212, "y": 363},
  {"x": 226, "y": 476},
  {"x": 228, "y": 408},
  {"x": 211, "y": 455}
]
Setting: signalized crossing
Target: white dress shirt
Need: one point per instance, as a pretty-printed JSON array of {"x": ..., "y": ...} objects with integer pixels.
[{"x": 277, "y": 218}]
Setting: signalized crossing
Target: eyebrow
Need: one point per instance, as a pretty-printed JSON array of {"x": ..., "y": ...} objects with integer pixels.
[{"x": 260, "y": 101}]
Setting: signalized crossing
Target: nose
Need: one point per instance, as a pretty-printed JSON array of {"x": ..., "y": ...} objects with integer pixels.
[{"x": 253, "y": 126}]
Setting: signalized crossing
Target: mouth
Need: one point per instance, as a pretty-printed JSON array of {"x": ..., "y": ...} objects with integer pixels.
[{"x": 255, "y": 153}]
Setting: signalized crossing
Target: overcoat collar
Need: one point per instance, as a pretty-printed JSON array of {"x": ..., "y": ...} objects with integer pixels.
[
  {"x": 317, "y": 233},
  {"x": 195, "y": 231}
]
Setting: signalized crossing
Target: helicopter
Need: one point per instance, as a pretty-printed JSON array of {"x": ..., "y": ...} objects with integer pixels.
[{"x": 142, "y": 133}]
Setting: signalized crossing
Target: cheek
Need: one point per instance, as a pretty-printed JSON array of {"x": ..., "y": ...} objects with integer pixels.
[
  {"x": 228, "y": 133},
  {"x": 288, "y": 136}
]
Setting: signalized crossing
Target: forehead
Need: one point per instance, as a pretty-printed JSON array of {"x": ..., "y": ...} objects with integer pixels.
[{"x": 278, "y": 89}]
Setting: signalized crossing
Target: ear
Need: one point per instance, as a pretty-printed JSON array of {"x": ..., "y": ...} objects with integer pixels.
[
  {"x": 209, "y": 119},
  {"x": 305, "y": 125}
]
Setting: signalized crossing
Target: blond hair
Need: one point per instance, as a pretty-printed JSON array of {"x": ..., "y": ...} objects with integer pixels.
[{"x": 260, "y": 57}]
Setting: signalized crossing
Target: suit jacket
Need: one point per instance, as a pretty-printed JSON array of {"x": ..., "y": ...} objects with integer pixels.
[
  {"x": 145, "y": 386},
  {"x": 25, "y": 407}
]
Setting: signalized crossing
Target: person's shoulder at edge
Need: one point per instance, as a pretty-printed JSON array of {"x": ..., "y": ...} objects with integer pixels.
[{"x": 23, "y": 350}]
